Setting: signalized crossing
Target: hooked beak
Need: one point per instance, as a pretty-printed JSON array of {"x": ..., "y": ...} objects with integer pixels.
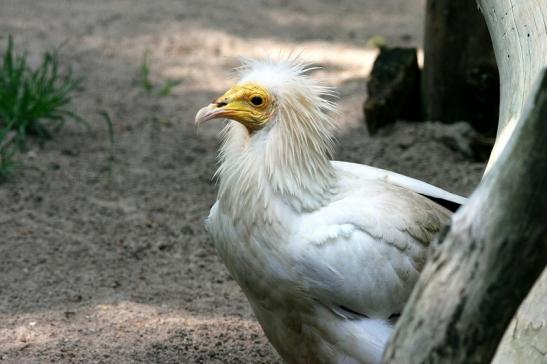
[
  {"x": 214, "y": 110},
  {"x": 236, "y": 105}
]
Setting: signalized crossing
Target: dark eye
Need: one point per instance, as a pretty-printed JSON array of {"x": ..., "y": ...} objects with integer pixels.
[{"x": 257, "y": 100}]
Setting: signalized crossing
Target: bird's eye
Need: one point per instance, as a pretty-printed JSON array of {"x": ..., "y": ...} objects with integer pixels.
[{"x": 257, "y": 100}]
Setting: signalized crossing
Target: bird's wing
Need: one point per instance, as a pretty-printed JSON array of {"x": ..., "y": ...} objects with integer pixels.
[
  {"x": 361, "y": 254},
  {"x": 440, "y": 196}
]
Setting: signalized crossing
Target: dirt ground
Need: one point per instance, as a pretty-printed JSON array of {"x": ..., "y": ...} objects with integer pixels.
[{"x": 109, "y": 262}]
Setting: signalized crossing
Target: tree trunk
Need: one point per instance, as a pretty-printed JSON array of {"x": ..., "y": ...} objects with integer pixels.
[
  {"x": 496, "y": 247},
  {"x": 525, "y": 341},
  {"x": 486, "y": 262},
  {"x": 519, "y": 35},
  {"x": 460, "y": 77}
]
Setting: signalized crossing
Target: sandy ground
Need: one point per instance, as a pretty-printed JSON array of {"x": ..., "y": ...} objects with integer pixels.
[{"x": 105, "y": 263}]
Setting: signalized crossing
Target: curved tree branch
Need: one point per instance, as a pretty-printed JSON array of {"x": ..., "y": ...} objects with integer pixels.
[
  {"x": 518, "y": 29},
  {"x": 484, "y": 264},
  {"x": 487, "y": 261}
]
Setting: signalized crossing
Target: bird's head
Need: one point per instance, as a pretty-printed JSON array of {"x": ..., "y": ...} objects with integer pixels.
[
  {"x": 270, "y": 91},
  {"x": 288, "y": 131},
  {"x": 249, "y": 103}
]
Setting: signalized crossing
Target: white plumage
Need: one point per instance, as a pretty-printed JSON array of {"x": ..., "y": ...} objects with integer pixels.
[{"x": 326, "y": 252}]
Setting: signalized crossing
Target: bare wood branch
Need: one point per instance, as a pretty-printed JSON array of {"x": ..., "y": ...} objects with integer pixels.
[
  {"x": 525, "y": 340},
  {"x": 519, "y": 34},
  {"x": 484, "y": 265}
]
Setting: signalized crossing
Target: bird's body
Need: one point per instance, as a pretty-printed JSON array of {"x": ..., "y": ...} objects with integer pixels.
[{"x": 326, "y": 252}]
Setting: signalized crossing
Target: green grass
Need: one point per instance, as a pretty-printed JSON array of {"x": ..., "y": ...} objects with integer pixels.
[
  {"x": 377, "y": 41},
  {"x": 33, "y": 102},
  {"x": 8, "y": 164},
  {"x": 167, "y": 87},
  {"x": 144, "y": 72},
  {"x": 146, "y": 83},
  {"x": 110, "y": 157}
]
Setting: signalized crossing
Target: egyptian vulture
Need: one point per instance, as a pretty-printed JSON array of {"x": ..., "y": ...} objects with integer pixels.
[{"x": 326, "y": 252}]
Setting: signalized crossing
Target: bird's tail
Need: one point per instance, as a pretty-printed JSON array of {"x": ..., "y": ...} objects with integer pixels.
[{"x": 363, "y": 340}]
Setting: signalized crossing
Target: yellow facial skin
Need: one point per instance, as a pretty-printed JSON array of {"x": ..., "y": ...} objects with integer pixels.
[{"x": 248, "y": 103}]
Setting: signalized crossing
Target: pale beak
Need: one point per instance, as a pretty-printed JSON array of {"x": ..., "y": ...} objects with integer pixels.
[{"x": 212, "y": 111}]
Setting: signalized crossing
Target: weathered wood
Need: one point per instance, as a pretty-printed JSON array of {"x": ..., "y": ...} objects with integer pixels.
[
  {"x": 525, "y": 340},
  {"x": 486, "y": 262},
  {"x": 460, "y": 77},
  {"x": 519, "y": 35}
]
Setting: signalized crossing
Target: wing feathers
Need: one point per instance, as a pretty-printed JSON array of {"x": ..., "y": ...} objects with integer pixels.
[
  {"x": 447, "y": 204},
  {"x": 361, "y": 254},
  {"x": 425, "y": 189}
]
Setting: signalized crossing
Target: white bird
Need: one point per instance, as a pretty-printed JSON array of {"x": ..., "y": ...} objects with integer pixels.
[{"x": 326, "y": 252}]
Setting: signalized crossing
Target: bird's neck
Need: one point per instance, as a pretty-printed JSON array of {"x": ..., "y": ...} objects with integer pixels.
[{"x": 280, "y": 165}]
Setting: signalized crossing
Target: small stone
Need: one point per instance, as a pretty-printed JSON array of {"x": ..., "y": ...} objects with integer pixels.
[
  {"x": 70, "y": 152},
  {"x": 54, "y": 166},
  {"x": 76, "y": 298}
]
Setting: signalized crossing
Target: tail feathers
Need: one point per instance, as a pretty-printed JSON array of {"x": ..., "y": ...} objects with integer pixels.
[
  {"x": 361, "y": 341},
  {"x": 375, "y": 334}
]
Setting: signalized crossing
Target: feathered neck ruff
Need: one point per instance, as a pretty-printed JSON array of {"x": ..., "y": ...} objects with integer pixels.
[{"x": 289, "y": 159}]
